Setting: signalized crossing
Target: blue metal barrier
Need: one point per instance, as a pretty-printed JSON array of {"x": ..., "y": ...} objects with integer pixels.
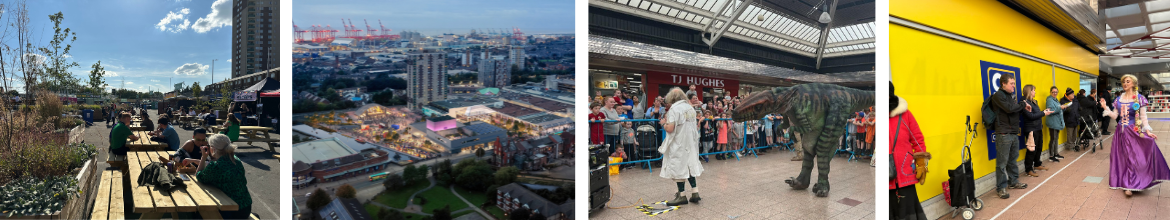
[{"x": 649, "y": 130}]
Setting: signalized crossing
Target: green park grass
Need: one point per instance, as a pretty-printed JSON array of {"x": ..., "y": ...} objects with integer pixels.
[
  {"x": 397, "y": 198},
  {"x": 476, "y": 198},
  {"x": 373, "y": 211},
  {"x": 438, "y": 197},
  {"x": 496, "y": 211}
]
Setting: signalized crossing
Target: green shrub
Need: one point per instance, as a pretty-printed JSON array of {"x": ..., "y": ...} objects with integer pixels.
[{"x": 33, "y": 196}]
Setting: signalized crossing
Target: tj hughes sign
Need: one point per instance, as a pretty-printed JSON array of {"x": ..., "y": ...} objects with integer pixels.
[{"x": 695, "y": 80}]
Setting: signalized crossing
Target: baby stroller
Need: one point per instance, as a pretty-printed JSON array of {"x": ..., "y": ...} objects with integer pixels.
[
  {"x": 960, "y": 189},
  {"x": 1090, "y": 135},
  {"x": 648, "y": 139}
]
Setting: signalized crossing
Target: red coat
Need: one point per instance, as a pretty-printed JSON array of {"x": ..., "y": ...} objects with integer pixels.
[
  {"x": 596, "y": 129},
  {"x": 908, "y": 141}
]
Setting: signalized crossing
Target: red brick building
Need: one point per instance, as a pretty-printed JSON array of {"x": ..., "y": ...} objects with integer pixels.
[{"x": 359, "y": 164}]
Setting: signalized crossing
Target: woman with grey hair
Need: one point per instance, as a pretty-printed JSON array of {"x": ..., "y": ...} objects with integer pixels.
[
  {"x": 680, "y": 155},
  {"x": 221, "y": 169}
]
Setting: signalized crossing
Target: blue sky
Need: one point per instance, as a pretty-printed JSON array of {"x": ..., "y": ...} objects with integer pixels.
[
  {"x": 127, "y": 37},
  {"x": 440, "y": 16}
]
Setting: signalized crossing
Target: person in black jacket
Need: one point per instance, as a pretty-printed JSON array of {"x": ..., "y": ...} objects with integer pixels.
[
  {"x": 1105, "y": 120},
  {"x": 1007, "y": 130},
  {"x": 1071, "y": 117},
  {"x": 1034, "y": 124}
]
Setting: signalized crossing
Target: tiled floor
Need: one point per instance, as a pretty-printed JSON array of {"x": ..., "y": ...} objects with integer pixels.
[
  {"x": 752, "y": 188},
  {"x": 1081, "y": 190}
]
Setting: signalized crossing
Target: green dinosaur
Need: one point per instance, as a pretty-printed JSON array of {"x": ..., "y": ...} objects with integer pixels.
[{"x": 819, "y": 112}]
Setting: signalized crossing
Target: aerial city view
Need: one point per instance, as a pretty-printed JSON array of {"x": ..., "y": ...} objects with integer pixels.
[
  {"x": 155, "y": 112},
  {"x": 433, "y": 109}
]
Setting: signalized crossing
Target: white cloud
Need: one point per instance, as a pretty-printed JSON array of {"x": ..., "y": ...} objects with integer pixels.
[
  {"x": 220, "y": 15},
  {"x": 110, "y": 73},
  {"x": 229, "y": 60},
  {"x": 128, "y": 83},
  {"x": 191, "y": 69},
  {"x": 154, "y": 80},
  {"x": 166, "y": 23}
]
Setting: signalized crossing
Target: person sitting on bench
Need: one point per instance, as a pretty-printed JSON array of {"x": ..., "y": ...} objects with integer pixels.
[
  {"x": 120, "y": 135},
  {"x": 189, "y": 153}
]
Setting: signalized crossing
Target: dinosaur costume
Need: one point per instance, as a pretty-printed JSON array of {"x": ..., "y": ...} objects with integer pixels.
[{"x": 819, "y": 113}]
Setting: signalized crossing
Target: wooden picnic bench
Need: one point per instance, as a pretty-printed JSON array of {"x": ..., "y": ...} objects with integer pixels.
[
  {"x": 109, "y": 203},
  {"x": 144, "y": 143},
  {"x": 251, "y": 134},
  {"x": 195, "y": 197},
  {"x": 118, "y": 161}
]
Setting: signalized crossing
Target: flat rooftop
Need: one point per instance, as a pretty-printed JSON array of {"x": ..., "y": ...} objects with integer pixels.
[
  {"x": 320, "y": 150},
  {"x": 462, "y": 102}
]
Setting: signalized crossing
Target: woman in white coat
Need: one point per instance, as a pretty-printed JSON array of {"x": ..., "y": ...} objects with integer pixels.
[{"x": 679, "y": 148}]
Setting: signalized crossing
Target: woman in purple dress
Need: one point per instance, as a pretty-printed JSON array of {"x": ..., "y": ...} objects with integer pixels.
[{"x": 1135, "y": 163}]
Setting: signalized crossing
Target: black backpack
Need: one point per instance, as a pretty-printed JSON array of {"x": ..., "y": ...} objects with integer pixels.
[{"x": 988, "y": 114}]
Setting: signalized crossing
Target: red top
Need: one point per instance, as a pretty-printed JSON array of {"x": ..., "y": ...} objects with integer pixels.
[
  {"x": 909, "y": 140},
  {"x": 596, "y": 129}
]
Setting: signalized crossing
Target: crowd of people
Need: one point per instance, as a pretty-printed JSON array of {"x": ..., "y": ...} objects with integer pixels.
[
  {"x": 716, "y": 131},
  {"x": 213, "y": 156},
  {"x": 1135, "y": 161}
]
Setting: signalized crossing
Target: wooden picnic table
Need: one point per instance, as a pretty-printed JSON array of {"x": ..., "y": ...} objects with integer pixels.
[
  {"x": 251, "y": 134},
  {"x": 137, "y": 126},
  {"x": 144, "y": 143},
  {"x": 153, "y": 203}
]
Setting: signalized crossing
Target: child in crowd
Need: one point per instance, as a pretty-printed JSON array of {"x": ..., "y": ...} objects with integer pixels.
[{"x": 596, "y": 129}]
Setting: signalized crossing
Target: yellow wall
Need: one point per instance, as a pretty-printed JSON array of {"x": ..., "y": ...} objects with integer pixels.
[
  {"x": 940, "y": 78},
  {"x": 995, "y": 23}
]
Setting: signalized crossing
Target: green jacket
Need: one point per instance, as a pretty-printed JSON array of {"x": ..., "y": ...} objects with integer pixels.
[
  {"x": 1056, "y": 119},
  {"x": 227, "y": 174}
]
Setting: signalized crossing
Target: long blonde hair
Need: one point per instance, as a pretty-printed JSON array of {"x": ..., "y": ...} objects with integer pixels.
[{"x": 1135, "y": 82}]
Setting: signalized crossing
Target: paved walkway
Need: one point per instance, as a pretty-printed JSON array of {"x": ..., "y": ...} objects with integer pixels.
[
  {"x": 1078, "y": 188},
  {"x": 410, "y": 206},
  {"x": 752, "y": 188},
  {"x": 471, "y": 206},
  {"x": 400, "y": 210}
]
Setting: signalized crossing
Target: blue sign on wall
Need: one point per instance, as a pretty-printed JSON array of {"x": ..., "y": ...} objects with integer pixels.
[{"x": 991, "y": 72}]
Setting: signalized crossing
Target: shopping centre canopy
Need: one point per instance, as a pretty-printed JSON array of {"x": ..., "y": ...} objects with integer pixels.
[
  {"x": 1137, "y": 41},
  {"x": 803, "y": 36}
]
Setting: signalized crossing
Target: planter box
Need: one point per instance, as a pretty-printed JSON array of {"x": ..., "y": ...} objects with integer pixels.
[
  {"x": 87, "y": 182},
  {"x": 81, "y": 206}
]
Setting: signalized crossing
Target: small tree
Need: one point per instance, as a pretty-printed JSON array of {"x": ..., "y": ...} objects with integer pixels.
[
  {"x": 393, "y": 215},
  {"x": 346, "y": 191},
  {"x": 408, "y": 173},
  {"x": 196, "y": 90},
  {"x": 422, "y": 171},
  {"x": 319, "y": 199},
  {"x": 443, "y": 213},
  {"x": 393, "y": 182},
  {"x": 507, "y": 175},
  {"x": 491, "y": 193},
  {"x": 479, "y": 152},
  {"x": 97, "y": 80}
]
